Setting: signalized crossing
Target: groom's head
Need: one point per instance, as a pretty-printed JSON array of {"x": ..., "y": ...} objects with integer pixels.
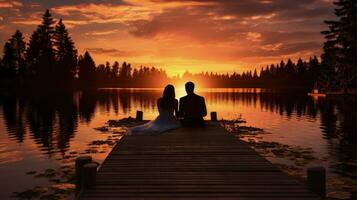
[{"x": 189, "y": 86}]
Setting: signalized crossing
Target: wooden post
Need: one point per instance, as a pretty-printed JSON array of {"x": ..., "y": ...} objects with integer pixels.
[
  {"x": 214, "y": 116},
  {"x": 316, "y": 180},
  {"x": 89, "y": 174},
  {"x": 80, "y": 162},
  {"x": 139, "y": 115}
]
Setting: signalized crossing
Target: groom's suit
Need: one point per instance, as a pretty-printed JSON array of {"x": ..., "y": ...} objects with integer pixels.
[{"x": 192, "y": 109}]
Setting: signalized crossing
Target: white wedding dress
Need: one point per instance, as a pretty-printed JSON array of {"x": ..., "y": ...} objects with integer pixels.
[{"x": 164, "y": 122}]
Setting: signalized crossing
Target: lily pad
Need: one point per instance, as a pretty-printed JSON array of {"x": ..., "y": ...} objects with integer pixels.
[
  {"x": 31, "y": 193},
  {"x": 64, "y": 187},
  {"x": 31, "y": 172},
  {"x": 235, "y": 128},
  {"x": 125, "y": 122},
  {"x": 102, "y": 142},
  {"x": 47, "y": 173},
  {"x": 102, "y": 129}
]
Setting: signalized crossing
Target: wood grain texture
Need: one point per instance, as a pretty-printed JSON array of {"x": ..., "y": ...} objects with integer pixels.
[{"x": 191, "y": 163}]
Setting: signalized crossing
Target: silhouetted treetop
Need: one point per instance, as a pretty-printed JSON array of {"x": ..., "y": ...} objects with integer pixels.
[
  {"x": 41, "y": 53},
  {"x": 66, "y": 53},
  {"x": 340, "y": 48},
  {"x": 86, "y": 69}
]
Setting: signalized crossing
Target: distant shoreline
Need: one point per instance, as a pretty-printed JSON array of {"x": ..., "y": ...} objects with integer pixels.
[
  {"x": 21, "y": 85},
  {"x": 74, "y": 84}
]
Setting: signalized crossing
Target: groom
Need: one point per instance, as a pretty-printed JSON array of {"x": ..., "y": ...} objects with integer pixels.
[{"x": 192, "y": 108}]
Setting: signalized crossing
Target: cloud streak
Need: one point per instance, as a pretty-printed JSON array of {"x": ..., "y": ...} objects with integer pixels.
[
  {"x": 10, "y": 4},
  {"x": 110, "y": 52}
]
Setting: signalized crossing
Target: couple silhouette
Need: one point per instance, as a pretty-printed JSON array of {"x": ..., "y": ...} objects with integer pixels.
[{"x": 189, "y": 112}]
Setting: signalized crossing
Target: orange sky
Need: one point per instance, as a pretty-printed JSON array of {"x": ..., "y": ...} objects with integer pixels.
[{"x": 197, "y": 35}]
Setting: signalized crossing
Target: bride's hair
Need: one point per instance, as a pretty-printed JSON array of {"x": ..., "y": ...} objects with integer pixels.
[{"x": 168, "y": 97}]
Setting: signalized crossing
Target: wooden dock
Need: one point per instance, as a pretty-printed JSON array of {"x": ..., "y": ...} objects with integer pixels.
[{"x": 196, "y": 163}]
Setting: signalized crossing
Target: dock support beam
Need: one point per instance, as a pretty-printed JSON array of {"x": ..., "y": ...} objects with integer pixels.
[
  {"x": 86, "y": 172},
  {"x": 80, "y": 162},
  {"x": 139, "y": 115},
  {"x": 89, "y": 175},
  {"x": 316, "y": 180},
  {"x": 214, "y": 116}
]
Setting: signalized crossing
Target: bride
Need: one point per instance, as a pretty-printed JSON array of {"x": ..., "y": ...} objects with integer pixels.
[{"x": 167, "y": 106}]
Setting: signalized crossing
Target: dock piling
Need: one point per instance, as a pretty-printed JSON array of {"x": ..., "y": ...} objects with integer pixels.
[
  {"x": 214, "y": 116},
  {"x": 316, "y": 180},
  {"x": 89, "y": 174},
  {"x": 80, "y": 162},
  {"x": 139, "y": 115}
]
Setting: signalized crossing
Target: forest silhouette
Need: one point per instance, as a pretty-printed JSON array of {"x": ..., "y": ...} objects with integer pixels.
[{"x": 51, "y": 57}]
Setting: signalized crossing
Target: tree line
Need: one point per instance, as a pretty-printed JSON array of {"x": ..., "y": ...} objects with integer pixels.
[
  {"x": 51, "y": 57},
  {"x": 302, "y": 74}
]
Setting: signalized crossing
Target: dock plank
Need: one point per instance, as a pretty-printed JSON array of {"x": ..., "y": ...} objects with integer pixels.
[{"x": 191, "y": 163}]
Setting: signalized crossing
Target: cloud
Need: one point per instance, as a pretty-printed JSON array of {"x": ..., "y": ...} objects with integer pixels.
[
  {"x": 10, "y": 4},
  {"x": 187, "y": 24},
  {"x": 227, "y": 19},
  {"x": 129, "y": 10},
  {"x": 27, "y": 22},
  {"x": 282, "y": 50},
  {"x": 110, "y": 52},
  {"x": 102, "y": 33},
  {"x": 272, "y": 47},
  {"x": 259, "y": 17},
  {"x": 254, "y": 36}
]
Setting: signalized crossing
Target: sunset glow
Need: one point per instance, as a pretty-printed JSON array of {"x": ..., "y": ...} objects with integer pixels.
[
  {"x": 197, "y": 35},
  {"x": 191, "y": 99}
]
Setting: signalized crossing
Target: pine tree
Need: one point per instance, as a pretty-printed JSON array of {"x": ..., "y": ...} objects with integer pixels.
[
  {"x": 125, "y": 72},
  {"x": 14, "y": 54},
  {"x": 301, "y": 73},
  {"x": 280, "y": 70},
  {"x": 255, "y": 74},
  {"x": 40, "y": 53},
  {"x": 289, "y": 68},
  {"x": 8, "y": 62},
  {"x": 340, "y": 49},
  {"x": 107, "y": 70},
  {"x": 32, "y": 54},
  {"x": 115, "y": 69},
  {"x": 87, "y": 69},
  {"x": 135, "y": 76},
  {"x": 19, "y": 46},
  {"x": 66, "y": 53},
  {"x": 300, "y": 67}
]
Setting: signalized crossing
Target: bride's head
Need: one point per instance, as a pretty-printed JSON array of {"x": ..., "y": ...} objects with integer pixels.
[
  {"x": 169, "y": 92},
  {"x": 168, "y": 96}
]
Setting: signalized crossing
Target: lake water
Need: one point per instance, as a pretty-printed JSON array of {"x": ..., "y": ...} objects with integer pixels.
[{"x": 39, "y": 131}]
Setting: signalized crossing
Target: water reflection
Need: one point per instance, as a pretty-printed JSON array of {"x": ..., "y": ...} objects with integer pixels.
[{"x": 52, "y": 119}]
